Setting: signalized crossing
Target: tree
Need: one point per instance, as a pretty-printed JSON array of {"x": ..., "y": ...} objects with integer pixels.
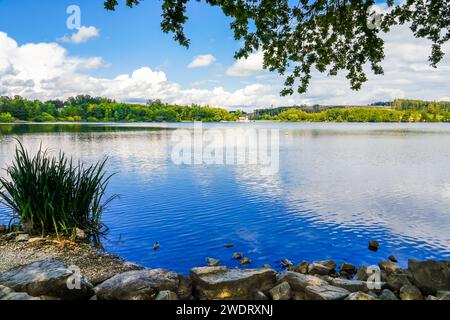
[{"x": 328, "y": 35}]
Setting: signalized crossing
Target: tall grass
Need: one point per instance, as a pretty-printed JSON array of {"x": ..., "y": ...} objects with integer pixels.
[{"x": 55, "y": 196}]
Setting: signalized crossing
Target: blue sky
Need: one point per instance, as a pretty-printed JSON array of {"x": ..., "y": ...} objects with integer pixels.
[{"x": 130, "y": 39}]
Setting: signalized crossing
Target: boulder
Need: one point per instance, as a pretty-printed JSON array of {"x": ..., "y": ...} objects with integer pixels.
[
  {"x": 374, "y": 245},
  {"x": 360, "y": 296},
  {"x": 213, "y": 283},
  {"x": 184, "y": 288},
  {"x": 319, "y": 269},
  {"x": 286, "y": 263},
  {"x": 138, "y": 285},
  {"x": 410, "y": 292},
  {"x": 47, "y": 278},
  {"x": 361, "y": 274},
  {"x": 430, "y": 276},
  {"x": 212, "y": 262},
  {"x": 387, "y": 294},
  {"x": 281, "y": 292},
  {"x": 430, "y": 297},
  {"x": 350, "y": 285},
  {"x": 302, "y": 267},
  {"x": 396, "y": 281},
  {"x": 298, "y": 282},
  {"x": 443, "y": 295},
  {"x": 166, "y": 295},
  {"x": 347, "y": 269},
  {"x": 389, "y": 267},
  {"x": 326, "y": 292}
]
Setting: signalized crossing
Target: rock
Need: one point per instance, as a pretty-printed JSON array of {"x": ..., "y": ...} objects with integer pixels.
[
  {"x": 360, "y": 296},
  {"x": 410, "y": 292},
  {"x": 19, "y": 296},
  {"x": 212, "y": 262},
  {"x": 245, "y": 261},
  {"x": 286, "y": 263},
  {"x": 373, "y": 294},
  {"x": 237, "y": 256},
  {"x": 94, "y": 298},
  {"x": 393, "y": 258},
  {"x": 229, "y": 245},
  {"x": 387, "y": 294},
  {"x": 36, "y": 240},
  {"x": 374, "y": 245},
  {"x": 299, "y": 282},
  {"x": 443, "y": 295},
  {"x": 4, "y": 291},
  {"x": 138, "y": 285},
  {"x": 396, "y": 281},
  {"x": 184, "y": 288},
  {"x": 46, "y": 278},
  {"x": 347, "y": 269},
  {"x": 281, "y": 291},
  {"x": 260, "y": 296},
  {"x": 3, "y": 229},
  {"x": 430, "y": 276},
  {"x": 267, "y": 266},
  {"x": 22, "y": 237},
  {"x": 213, "y": 283},
  {"x": 302, "y": 267},
  {"x": 326, "y": 292},
  {"x": 80, "y": 234},
  {"x": 325, "y": 278},
  {"x": 327, "y": 263},
  {"x": 361, "y": 274},
  {"x": 430, "y": 297},
  {"x": 298, "y": 295},
  {"x": 166, "y": 295},
  {"x": 319, "y": 269},
  {"x": 350, "y": 285},
  {"x": 389, "y": 267}
]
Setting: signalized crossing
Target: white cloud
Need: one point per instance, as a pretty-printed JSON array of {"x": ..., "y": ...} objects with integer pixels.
[
  {"x": 46, "y": 71},
  {"x": 83, "y": 34},
  {"x": 202, "y": 61},
  {"x": 247, "y": 67}
]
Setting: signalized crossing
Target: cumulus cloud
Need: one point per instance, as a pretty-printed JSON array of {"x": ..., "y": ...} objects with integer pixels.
[
  {"x": 46, "y": 71},
  {"x": 202, "y": 61},
  {"x": 83, "y": 34},
  {"x": 247, "y": 66}
]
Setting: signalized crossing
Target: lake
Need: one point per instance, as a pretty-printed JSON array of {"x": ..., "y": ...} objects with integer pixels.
[{"x": 336, "y": 187}]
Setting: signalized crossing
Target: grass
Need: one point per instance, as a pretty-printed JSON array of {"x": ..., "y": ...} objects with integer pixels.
[{"x": 52, "y": 195}]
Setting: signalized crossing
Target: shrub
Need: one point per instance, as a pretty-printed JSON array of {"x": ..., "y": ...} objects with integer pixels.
[{"x": 52, "y": 195}]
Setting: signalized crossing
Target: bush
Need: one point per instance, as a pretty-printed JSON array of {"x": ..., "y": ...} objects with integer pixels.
[
  {"x": 6, "y": 117},
  {"x": 54, "y": 196}
]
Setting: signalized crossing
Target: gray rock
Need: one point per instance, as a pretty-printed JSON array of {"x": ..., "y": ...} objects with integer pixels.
[
  {"x": 389, "y": 267},
  {"x": 214, "y": 283},
  {"x": 281, "y": 291},
  {"x": 410, "y": 292},
  {"x": 361, "y": 274},
  {"x": 443, "y": 295},
  {"x": 237, "y": 256},
  {"x": 374, "y": 245},
  {"x": 138, "y": 285},
  {"x": 4, "y": 291},
  {"x": 430, "y": 276},
  {"x": 260, "y": 296},
  {"x": 360, "y": 296},
  {"x": 166, "y": 295},
  {"x": 350, "y": 285},
  {"x": 430, "y": 297},
  {"x": 319, "y": 269},
  {"x": 22, "y": 237},
  {"x": 372, "y": 293},
  {"x": 396, "y": 281},
  {"x": 326, "y": 292},
  {"x": 19, "y": 296},
  {"x": 46, "y": 278},
  {"x": 387, "y": 294},
  {"x": 212, "y": 262},
  {"x": 184, "y": 288},
  {"x": 302, "y": 267},
  {"x": 347, "y": 269},
  {"x": 299, "y": 282}
]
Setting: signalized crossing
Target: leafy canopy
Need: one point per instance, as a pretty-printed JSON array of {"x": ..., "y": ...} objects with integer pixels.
[{"x": 328, "y": 35}]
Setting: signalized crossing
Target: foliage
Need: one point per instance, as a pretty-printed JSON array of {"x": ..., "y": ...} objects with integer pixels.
[
  {"x": 53, "y": 195},
  {"x": 326, "y": 35},
  {"x": 6, "y": 117}
]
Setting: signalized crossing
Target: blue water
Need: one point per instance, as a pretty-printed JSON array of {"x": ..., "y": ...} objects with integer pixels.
[{"x": 338, "y": 186}]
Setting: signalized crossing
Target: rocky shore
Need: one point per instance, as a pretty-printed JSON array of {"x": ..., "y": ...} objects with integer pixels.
[{"x": 48, "y": 269}]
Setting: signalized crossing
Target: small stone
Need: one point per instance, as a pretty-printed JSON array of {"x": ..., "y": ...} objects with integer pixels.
[
  {"x": 393, "y": 258},
  {"x": 212, "y": 262},
  {"x": 229, "y": 245},
  {"x": 237, "y": 256},
  {"x": 22, "y": 237},
  {"x": 166, "y": 295},
  {"x": 387, "y": 294},
  {"x": 359, "y": 296},
  {"x": 245, "y": 261},
  {"x": 410, "y": 292},
  {"x": 443, "y": 295},
  {"x": 281, "y": 291},
  {"x": 260, "y": 296},
  {"x": 286, "y": 263},
  {"x": 36, "y": 240},
  {"x": 389, "y": 267},
  {"x": 80, "y": 234},
  {"x": 374, "y": 245}
]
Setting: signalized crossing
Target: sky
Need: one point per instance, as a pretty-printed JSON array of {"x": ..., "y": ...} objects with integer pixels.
[{"x": 124, "y": 55}]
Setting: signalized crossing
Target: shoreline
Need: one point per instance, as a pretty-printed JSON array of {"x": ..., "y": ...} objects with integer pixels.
[{"x": 34, "y": 261}]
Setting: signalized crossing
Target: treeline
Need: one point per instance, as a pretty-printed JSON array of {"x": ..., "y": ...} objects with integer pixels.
[
  {"x": 419, "y": 105},
  {"x": 95, "y": 109},
  {"x": 361, "y": 115}
]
